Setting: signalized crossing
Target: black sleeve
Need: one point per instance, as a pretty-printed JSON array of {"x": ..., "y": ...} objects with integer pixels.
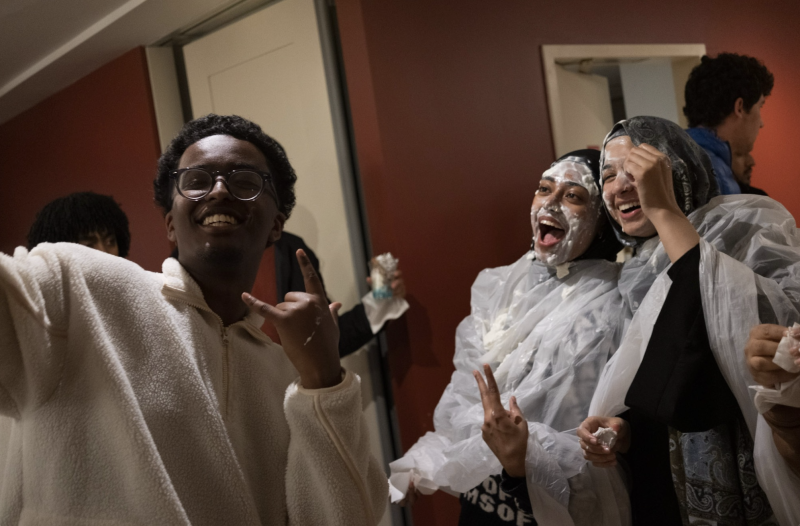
[
  {"x": 647, "y": 464},
  {"x": 354, "y": 330},
  {"x": 678, "y": 382},
  {"x": 517, "y": 487}
]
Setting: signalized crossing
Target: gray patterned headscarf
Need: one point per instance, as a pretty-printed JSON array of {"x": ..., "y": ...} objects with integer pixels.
[{"x": 692, "y": 175}]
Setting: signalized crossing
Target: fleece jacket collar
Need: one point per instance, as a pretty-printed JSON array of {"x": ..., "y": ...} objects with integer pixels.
[{"x": 180, "y": 286}]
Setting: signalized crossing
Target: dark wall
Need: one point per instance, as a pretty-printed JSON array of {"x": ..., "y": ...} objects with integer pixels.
[
  {"x": 451, "y": 128},
  {"x": 98, "y": 134}
]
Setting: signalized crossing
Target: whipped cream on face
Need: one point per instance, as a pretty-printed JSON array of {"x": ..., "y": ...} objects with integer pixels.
[
  {"x": 572, "y": 171},
  {"x": 554, "y": 217},
  {"x": 616, "y": 163}
]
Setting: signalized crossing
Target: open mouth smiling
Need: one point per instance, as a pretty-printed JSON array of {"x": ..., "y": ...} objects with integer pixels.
[
  {"x": 219, "y": 220},
  {"x": 629, "y": 209},
  {"x": 551, "y": 232}
]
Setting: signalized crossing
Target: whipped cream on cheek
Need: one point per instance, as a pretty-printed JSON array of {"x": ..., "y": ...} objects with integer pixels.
[
  {"x": 622, "y": 145},
  {"x": 621, "y": 181},
  {"x": 558, "y": 228}
]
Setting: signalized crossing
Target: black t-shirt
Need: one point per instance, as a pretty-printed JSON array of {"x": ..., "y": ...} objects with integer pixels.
[{"x": 499, "y": 500}]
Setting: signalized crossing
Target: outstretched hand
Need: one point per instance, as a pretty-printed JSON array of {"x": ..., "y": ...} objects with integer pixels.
[
  {"x": 308, "y": 329},
  {"x": 505, "y": 432},
  {"x": 596, "y": 453}
]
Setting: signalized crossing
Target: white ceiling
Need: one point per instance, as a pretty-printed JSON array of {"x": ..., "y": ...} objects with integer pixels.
[{"x": 46, "y": 45}]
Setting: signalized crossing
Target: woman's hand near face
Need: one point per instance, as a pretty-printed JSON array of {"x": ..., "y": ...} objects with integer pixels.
[
  {"x": 652, "y": 172},
  {"x": 601, "y": 456},
  {"x": 505, "y": 432}
]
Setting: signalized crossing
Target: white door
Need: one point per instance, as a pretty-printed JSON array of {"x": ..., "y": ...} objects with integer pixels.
[
  {"x": 649, "y": 88},
  {"x": 585, "y": 111},
  {"x": 653, "y": 77},
  {"x": 270, "y": 68}
]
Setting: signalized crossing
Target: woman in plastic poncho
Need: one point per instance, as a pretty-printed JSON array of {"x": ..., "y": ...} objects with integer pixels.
[
  {"x": 546, "y": 325},
  {"x": 706, "y": 270}
]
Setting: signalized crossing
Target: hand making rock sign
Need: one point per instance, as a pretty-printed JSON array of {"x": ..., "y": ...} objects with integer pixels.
[
  {"x": 504, "y": 431},
  {"x": 308, "y": 329}
]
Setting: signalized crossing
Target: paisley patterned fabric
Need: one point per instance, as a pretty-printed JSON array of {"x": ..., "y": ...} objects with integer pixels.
[{"x": 715, "y": 478}]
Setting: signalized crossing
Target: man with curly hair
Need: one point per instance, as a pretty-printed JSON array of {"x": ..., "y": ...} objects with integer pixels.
[
  {"x": 90, "y": 219},
  {"x": 724, "y": 96},
  {"x": 154, "y": 398}
]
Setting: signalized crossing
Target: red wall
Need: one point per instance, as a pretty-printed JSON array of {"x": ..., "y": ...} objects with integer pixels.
[
  {"x": 98, "y": 134},
  {"x": 452, "y": 132}
]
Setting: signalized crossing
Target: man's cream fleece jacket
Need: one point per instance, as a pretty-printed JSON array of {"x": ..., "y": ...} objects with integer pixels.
[{"x": 130, "y": 403}]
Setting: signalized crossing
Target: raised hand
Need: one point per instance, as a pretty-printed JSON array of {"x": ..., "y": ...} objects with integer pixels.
[
  {"x": 596, "y": 453},
  {"x": 652, "y": 172},
  {"x": 308, "y": 329},
  {"x": 505, "y": 432},
  {"x": 759, "y": 351}
]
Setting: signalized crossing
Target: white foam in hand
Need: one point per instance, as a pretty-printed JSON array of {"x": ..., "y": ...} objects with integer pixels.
[
  {"x": 606, "y": 437},
  {"x": 783, "y": 357}
]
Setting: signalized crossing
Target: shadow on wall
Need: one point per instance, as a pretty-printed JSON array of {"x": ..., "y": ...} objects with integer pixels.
[{"x": 303, "y": 224}]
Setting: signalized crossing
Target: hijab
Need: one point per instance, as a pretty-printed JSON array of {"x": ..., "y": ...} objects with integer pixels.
[{"x": 693, "y": 177}]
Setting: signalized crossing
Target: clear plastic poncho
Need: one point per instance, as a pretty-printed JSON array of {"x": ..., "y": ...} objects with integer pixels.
[
  {"x": 547, "y": 339},
  {"x": 749, "y": 274}
]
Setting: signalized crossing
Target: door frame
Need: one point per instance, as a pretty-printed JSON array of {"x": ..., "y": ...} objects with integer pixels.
[
  {"x": 380, "y": 373},
  {"x": 553, "y": 54},
  {"x": 171, "y": 99}
]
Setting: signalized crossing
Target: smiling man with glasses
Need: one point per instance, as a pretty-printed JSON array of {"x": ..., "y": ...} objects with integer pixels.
[{"x": 151, "y": 398}]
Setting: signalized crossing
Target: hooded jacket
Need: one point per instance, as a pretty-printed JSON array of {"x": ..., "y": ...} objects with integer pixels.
[
  {"x": 720, "y": 153},
  {"x": 128, "y": 402}
]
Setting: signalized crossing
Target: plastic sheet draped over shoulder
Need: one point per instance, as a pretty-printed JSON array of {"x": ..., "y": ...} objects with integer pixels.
[
  {"x": 548, "y": 349},
  {"x": 749, "y": 273}
]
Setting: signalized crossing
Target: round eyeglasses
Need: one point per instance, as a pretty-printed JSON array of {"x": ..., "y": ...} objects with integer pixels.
[{"x": 243, "y": 184}]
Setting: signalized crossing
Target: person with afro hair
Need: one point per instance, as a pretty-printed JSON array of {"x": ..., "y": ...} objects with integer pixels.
[
  {"x": 155, "y": 397},
  {"x": 279, "y": 272},
  {"x": 724, "y": 96},
  {"x": 90, "y": 219}
]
